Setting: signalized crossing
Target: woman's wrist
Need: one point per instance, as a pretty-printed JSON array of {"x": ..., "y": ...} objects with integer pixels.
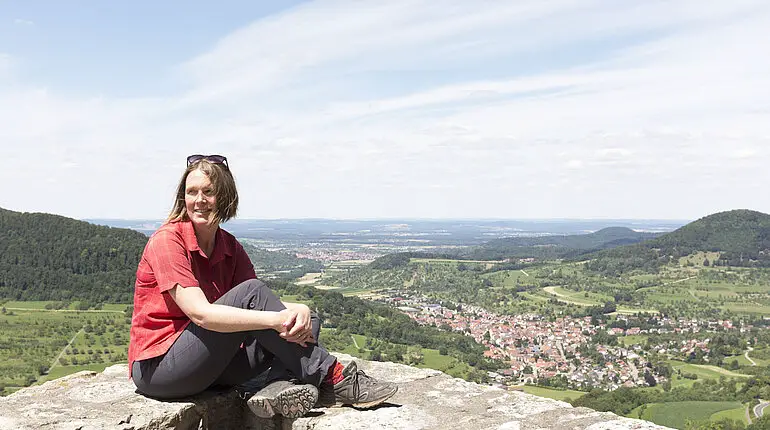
[{"x": 276, "y": 322}]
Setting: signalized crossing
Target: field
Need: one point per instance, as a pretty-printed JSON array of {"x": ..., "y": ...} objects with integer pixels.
[
  {"x": 577, "y": 297},
  {"x": 637, "y": 339},
  {"x": 689, "y": 286},
  {"x": 551, "y": 393},
  {"x": 676, "y": 414},
  {"x": 702, "y": 371},
  {"x": 35, "y": 341},
  {"x": 431, "y": 358},
  {"x": 737, "y": 414}
]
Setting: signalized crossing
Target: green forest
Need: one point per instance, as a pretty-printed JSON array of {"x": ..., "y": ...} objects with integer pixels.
[
  {"x": 741, "y": 237},
  {"x": 51, "y": 257}
]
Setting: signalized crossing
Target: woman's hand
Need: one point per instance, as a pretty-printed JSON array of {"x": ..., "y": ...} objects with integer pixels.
[{"x": 297, "y": 326}]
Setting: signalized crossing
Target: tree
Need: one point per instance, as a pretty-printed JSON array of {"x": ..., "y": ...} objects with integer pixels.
[
  {"x": 762, "y": 423},
  {"x": 649, "y": 379}
]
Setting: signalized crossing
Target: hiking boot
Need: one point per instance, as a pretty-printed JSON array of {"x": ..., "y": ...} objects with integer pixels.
[
  {"x": 283, "y": 398},
  {"x": 357, "y": 389}
]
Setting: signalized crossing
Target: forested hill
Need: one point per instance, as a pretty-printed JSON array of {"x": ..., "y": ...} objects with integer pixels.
[
  {"x": 558, "y": 246},
  {"x": 283, "y": 264},
  {"x": 51, "y": 257},
  {"x": 741, "y": 237}
]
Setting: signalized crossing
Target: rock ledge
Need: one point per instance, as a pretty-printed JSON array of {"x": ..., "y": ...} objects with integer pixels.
[{"x": 427, "y": 399}]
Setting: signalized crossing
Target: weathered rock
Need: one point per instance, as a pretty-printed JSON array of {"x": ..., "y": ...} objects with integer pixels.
[
  {"x": 427, "y": 399},
  {"x": 107, "y": 400}
]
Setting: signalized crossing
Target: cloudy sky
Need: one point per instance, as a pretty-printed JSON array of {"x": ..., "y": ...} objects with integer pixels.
[{"x": 371, "y": 109}]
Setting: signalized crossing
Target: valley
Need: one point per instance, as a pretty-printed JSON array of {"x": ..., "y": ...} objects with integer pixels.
[{"x": 639, "y": 325}]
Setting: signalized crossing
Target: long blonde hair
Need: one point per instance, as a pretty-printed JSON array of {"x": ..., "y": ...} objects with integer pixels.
[{"x": 224, "y": 189}]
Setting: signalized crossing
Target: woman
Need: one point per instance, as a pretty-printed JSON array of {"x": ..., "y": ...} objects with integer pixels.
[{"x": 202, "y": 319}]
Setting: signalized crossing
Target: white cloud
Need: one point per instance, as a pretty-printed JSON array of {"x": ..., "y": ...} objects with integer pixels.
[
  {"x": 24, "y": 22},
  {"x": 350, "y": 109}
]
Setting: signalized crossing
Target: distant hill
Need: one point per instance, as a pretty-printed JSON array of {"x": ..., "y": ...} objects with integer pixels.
[
  {"x": 741, "y": 237},
  {"x": 51, "y": 257},
  {"x": 286, "y": 265},
  {"x": 559, "y": 246}
]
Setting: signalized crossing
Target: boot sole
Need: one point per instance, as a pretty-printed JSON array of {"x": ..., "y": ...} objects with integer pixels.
[{"x": 292, "y": 402}]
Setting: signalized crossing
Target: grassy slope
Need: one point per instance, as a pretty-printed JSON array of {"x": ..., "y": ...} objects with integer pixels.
[
  {"x": 552, "y": 393},
  {"x": 676, "y": 414}
]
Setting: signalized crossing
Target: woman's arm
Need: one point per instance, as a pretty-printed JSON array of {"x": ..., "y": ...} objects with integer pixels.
[{"x": 225, "y": 319}]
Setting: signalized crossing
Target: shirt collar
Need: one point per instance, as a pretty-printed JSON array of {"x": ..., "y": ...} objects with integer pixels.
[
  {"x": 188, "y": 235},
  {"x": 222, "y": 246}
]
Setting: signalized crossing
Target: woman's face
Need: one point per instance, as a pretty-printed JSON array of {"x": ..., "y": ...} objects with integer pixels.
[{"x": 199, "y": 198}]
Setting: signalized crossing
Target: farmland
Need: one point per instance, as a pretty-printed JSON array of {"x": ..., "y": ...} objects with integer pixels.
[{"x": 40, "y": 344}]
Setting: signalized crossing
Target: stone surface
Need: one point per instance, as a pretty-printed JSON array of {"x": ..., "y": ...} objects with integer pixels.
[
  {"x": 107, "y": 400},
  {"x": 427, "y": 399}
]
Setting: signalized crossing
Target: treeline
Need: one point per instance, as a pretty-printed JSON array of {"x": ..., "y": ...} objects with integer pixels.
[
  {"x": 276, "y": 261},
  {"x": 50, "y": 257},
  {"x": 385, "y": 323},
  {"x": 558, "y": 246},
  {"x": 401, "y": 259},
  {"x": 623, "y": 400}
]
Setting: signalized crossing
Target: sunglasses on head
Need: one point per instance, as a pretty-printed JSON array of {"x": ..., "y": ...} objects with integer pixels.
[{"x": 216, "y": 159}]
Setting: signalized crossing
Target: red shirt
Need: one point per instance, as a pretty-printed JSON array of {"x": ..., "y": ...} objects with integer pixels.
[{"x": 172, "y": 256}]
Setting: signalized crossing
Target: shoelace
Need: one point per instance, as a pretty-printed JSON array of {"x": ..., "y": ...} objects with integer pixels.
[{"x": 360, "y": 374}]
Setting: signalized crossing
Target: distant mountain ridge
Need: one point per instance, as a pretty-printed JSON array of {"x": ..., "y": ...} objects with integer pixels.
[
  {"x": 741, "y": 237},
  {"x": 559, "y": 246}
]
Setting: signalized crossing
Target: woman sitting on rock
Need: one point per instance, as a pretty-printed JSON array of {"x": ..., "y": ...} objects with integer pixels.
[{"x": 202, "y": 319}]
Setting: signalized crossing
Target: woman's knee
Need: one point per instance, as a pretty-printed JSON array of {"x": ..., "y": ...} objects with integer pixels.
[
  {"x": 245, "y": 295},
  {"x": 251, "y": 285},
  {"x": 258, "y": 296}
]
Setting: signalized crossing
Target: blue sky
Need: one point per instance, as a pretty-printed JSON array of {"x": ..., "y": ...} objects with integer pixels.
[{"x": 351, "y": 109}]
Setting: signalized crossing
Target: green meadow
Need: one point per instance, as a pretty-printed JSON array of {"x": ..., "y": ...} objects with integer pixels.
[
  {"x": 550, "y": 393},
  {"x": 676, "y": 414},
  {"x": 701, "y": 371}
]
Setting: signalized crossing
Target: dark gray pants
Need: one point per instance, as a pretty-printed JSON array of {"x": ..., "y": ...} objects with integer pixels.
[{"x": 202, "y": 358}]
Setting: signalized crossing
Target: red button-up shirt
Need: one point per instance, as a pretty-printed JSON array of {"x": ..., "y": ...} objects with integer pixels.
[{"x": 172, "y": 256}]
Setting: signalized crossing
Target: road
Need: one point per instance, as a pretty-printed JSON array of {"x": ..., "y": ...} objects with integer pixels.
[
  {"x": 760, "y": 408},
  {"x": 746, "y": 354},
  {"x": 568, "y": 299},
  {"x": 679, "y": 280},
  {"x": 56, "y": 360}
]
